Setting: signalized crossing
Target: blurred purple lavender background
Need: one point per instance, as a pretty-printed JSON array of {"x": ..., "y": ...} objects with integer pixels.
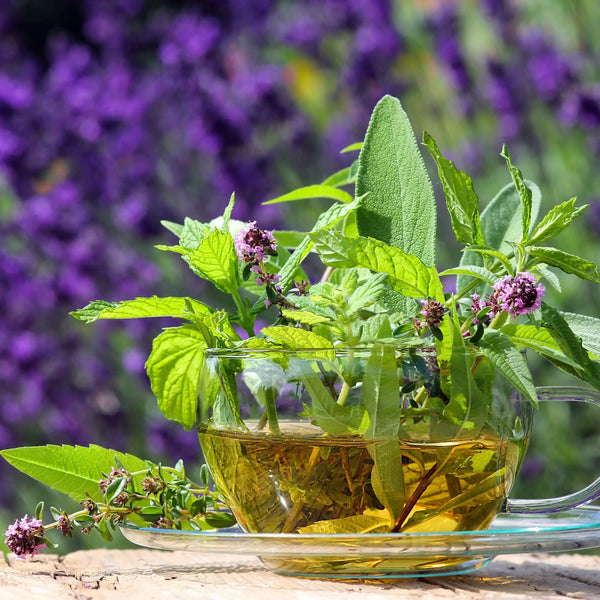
[{"x": 115, "y": 115}]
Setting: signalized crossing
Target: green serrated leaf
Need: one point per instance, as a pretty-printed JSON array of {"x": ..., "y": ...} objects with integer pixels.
[
  {"x": 569, "y": 263},
  {"x": 215, "y": 259},
  {"x": 509, "y": 360},
  {"x": 461, "y": 200},
  {"x": 305, "y": 317},
  {"x": 227, "y": 214},
  {"x": 328, "y": 219},
  {"x": 407, "y": 273},
  {"x": 71, "y": 470},
  {"x": 139, "y": 308},
  {"x": 175, "y": 368},
  {"x": 558, "y": 218},
  {"x": 175, "y": 228},
  {"x": 525, "y": 195},
  {"x": 501, "y": 223},
  {"x": 314, "y": 191},
  {"x": 496, "y": 254},
  {"x": 293, "y": 337},
  {"x": 192, "y": 233}
]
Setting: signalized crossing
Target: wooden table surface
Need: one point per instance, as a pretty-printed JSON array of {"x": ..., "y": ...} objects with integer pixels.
[{"x": 149, "y": 574}]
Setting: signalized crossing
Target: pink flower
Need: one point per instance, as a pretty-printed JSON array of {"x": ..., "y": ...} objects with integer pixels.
[
  {"x": 253, "y": 243},
  {"x": 25, "y": 536},
  {"x": 519, "y": 295}
]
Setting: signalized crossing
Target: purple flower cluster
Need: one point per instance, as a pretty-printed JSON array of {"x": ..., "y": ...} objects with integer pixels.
[
  {"x": 252, "y": 246},
  {"x": 515, "y": 295},
  {"x": 431, "y": 314},
  {"x": 24, "y": 537}
]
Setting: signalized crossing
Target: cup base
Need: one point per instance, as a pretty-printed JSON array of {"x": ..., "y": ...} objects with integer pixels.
[{"x": 373, "y": 568}]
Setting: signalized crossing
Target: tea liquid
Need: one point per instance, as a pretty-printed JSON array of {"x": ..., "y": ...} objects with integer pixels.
[{"x": 283, "y": 484}]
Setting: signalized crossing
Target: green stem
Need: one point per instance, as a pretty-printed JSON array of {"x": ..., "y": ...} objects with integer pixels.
[
  {"x": 271, "y": 410},
  {"x": 246, "y": 320}
]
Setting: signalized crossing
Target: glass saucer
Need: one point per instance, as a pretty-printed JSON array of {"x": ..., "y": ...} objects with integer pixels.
[{"x": 389, "y": 555}]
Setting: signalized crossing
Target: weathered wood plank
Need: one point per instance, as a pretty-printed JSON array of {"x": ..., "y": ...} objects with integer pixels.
[{"x": 149, "y": 574}]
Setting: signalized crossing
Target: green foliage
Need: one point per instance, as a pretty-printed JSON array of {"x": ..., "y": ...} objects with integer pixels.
[
  {"x": 72, "y": 470},
  {"x": 391, "y": 175}
]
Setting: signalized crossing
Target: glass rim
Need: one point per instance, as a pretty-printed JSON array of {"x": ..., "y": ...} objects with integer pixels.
[{"x": 321, "y": 352}]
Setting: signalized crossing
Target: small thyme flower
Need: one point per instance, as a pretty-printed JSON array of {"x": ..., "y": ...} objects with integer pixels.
[
  {"x": 252, "y": 244},
  {"x": 89, "y": 505},
  {"x": 25, "y": 536},
  {"x": 65, "y": 525},
  {"x": 153, "y": 485},
  {"x": 518, "y": 295},
  {"x": 432, "y": 313},
  {"x": 114, "y": 474}
]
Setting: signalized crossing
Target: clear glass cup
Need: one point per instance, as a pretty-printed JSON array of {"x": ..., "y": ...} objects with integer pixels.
[{"x": 368, "y": 440}]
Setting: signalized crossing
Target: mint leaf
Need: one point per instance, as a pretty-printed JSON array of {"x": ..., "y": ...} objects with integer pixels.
[
  {"x": 71, "y": 470},
  {"x": 175, "y": 368},
  {"x": 509, "y": 361},
  {"x": 525, "y": 195},
  {"x": 407, "y": 273},
  {"x": 365, "y": 523},
  {"x": 501, "y": 223},
  {"x": 140, "y": 308},
  {"x": 314, "y": 191},
  {"x": 293, "y": 337},
  {"x": 192, "y": 233},
  {"x": 461, "y": 200},
  {"x": 397, "y": 203},
  {"x": 215, "y": 259},
  {"x": 569, "y": 263},
  {"x": 558, "y": 218},
  {"x": 175, "y": 228}
]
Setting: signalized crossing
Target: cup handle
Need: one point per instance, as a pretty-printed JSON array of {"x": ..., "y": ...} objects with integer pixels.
[{"x": 588, "y": 493}]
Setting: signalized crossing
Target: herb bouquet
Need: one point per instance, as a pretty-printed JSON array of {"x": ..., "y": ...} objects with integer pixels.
[{"x": 375, "y": 400}]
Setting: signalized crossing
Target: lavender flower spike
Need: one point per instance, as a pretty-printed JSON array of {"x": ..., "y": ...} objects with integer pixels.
[
  {"x": 519, "y": 295},
  {"x": 25, "y": 536}
]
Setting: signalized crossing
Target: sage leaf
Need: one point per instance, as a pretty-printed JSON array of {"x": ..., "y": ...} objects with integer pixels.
[
  {"x": 461, "y": 200},
  {"x": 556, "y": 220},
  {"x": 509, "y": 361},
  {"x": 397, "y": 203},
  {"x": 314, "y": 191},
  {"x": 407, "y": 273},
  {"x": 140, "y": 308},
  {"x": 569, "y": 263},
  {"x": 586, "y": 328},
  {"x": 175, "y": 367},
  {"x": 215, "y": 259},
  {"x": 71, "y": 470}
]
